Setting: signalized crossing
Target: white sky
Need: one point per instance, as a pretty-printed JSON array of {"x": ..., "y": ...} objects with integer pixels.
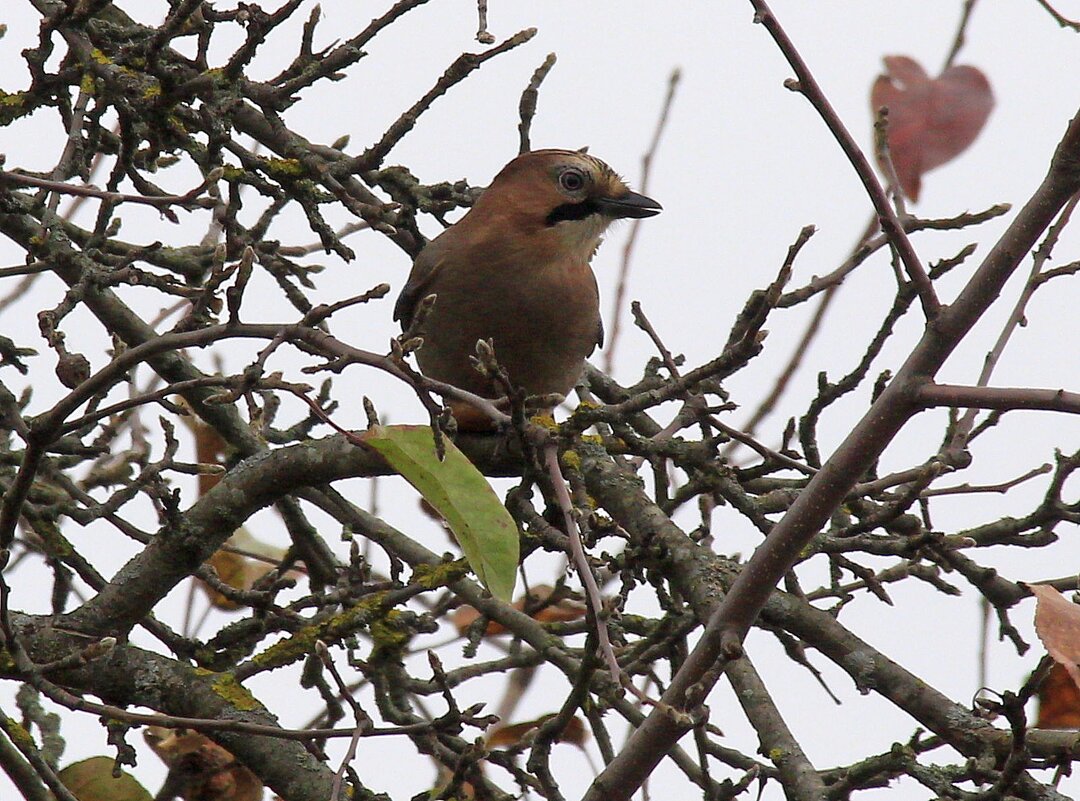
[{"x": 743, "y": 166}]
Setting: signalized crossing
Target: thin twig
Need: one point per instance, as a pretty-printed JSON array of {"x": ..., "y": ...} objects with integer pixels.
[
  {"x": 73, "y": 137},
  {"x": 463, "y": 67},
  {"x": 890, "y": 224},
  {"x": 869, "y": 244},
  {"x": 631, "y": 239},
  {"x": 764, "y": 409},
  {"x": 961, "y": 31},
  {"x": 584, "y": 570},
  {"x": 762, "y": 450},
  {"x": 363, "y": 720},
  {"x": 25, "y": 745},
  {"x": 81, "y": 704},
  {"x": 527, "y": 104},
  {"x": 1064, "y": 22},
  {"x": 1006, "y": 398},
  {"x": 884, "y": 159},
  {"x": 483, "y": 35},
  {"x": 769, "y": 403},
  {"x": 1016, "y": 317},
  {"x": 693, "y": 406},
  {"x": 307, "y": 250},
  {"x": 694, "y": 403},
  {"x": 1002, "y": 488},
  {"x": 25, "y": 269},
  {"x": 160, "y": 202}
]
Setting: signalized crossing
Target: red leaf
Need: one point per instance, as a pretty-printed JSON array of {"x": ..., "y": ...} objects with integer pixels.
[{"x": 931, "y": 121}]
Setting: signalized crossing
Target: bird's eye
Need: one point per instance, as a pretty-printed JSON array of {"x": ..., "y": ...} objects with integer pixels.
[{"x": 572, "y": 180}]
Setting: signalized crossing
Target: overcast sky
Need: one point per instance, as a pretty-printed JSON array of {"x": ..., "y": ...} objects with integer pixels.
[{"x": 744, "y": 164}]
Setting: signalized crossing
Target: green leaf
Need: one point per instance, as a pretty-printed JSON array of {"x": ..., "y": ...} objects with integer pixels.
[
  {"x": 92, "y": 780},
  {"x": 460, "y": 493}
]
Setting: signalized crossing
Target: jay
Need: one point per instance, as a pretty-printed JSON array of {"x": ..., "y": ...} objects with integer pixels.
[{"x": 515, "y": 270}]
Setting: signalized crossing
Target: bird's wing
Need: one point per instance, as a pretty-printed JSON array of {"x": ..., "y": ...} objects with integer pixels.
[{"x": 424, "y": 270}]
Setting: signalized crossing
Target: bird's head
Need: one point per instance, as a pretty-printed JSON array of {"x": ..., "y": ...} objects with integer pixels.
[{"x": 568, "y": 194}]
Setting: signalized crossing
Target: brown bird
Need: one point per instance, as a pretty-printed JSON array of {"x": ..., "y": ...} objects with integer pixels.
[{"x": 515, "y": 270}]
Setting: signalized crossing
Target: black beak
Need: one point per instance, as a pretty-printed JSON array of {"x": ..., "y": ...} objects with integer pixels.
[{"x": 629, "y": 205}]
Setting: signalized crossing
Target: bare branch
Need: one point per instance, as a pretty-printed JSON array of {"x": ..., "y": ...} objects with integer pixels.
[{"x": 1054, "y": 400}]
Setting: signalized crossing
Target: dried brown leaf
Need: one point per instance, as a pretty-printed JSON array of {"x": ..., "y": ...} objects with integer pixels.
[
  {"x": 558, "y": 611},
  {"x": 207, "y": 771},
  {"x": 1059, "y": 701},
  {"x": 504, "y": 736},
  {"x": 240, "y": 571},
  {"x": 1057, "y": 622}
]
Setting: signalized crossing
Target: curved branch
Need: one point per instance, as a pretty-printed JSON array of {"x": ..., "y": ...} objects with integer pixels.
[{"x": 177, "y": 551}]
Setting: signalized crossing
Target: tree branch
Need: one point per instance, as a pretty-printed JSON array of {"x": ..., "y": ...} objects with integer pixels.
[
  {"x": 728, "y": 624},
  {"x": 891, "y": 226},
  {"x": 1054, "y": 400}
]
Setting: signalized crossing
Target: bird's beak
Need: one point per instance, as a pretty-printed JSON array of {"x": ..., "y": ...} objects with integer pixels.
[{"x": 629, "y": 205}]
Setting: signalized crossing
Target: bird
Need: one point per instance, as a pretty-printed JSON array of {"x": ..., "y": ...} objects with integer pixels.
[{"x": 515, "y": 270}]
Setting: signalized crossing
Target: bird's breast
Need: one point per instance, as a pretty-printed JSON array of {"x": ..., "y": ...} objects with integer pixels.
[{"x": 542, "y": 315}]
